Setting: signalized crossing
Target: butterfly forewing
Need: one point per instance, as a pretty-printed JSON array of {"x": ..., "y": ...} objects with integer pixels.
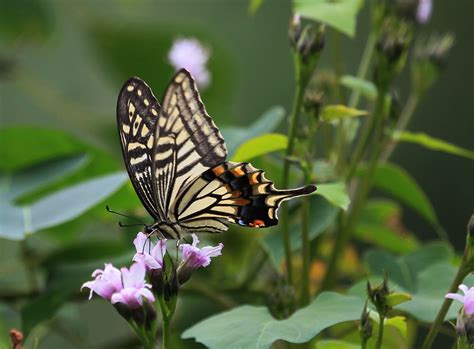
[
  {"x": 137, "y": 116},
  {"x": 188, "y": 140}
]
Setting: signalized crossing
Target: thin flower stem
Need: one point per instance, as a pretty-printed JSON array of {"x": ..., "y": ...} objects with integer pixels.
[
  {"x": 378, "y": 344},
  {"x": 166, "y": 334},
  {"x": 405, "y": 117},
  {"x": 463, "y": 271},
  {"x": 305, "y": 285},
  {"x": 293, "y": 124},
  {"x": 350, "y": 221}
]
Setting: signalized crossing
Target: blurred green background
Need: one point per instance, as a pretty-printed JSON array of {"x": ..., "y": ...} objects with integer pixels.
[{"x": 62, "y": 64}]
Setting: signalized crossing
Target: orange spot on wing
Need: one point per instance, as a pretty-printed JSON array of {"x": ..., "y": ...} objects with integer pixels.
[
  {"x": 236, "y": 193},
  {"x": 237, "y": 171},
  {"x": 241, "y": 201},
  {"x": 218, "y": 170},
  {"x": 253, "y": 178},
  {"x": 257, "y": 223}
]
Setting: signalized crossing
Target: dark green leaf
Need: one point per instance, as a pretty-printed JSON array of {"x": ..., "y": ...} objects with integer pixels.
[
  {"x": 340, "y": 15},
  {"x": 380, "y": 224},
  {"x": 322, "y": 216},
  {"x": 254, "y": 327},
  {"x": 260, "y": 145},
  {"x": 35, "y": 177},
  {"x": 403, "y": 270},
  {"x": 432, "y": 143},
  {"x": 398, "y": 182},
  {"x": 268, "y": 122}
]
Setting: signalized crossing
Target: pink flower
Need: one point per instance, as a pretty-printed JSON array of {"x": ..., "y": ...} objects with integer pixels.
[
  {"x": 191, "y": 55},
  {"x": 195, "y": 257},
  {"x": 467, "y": 299},
  {"x": 121, "y": 286},
  {"x": 151, "y": 255},
  {"x": 423, "y": 12},
  {"x": 106, "y": 283}
]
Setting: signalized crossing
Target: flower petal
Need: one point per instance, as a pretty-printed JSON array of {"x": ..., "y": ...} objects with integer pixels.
[
  {"x": 464, "y": 288},
  {"x": 455, "y": 296}
]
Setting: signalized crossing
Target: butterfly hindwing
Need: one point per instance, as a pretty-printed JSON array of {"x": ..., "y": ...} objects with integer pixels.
[
  {"x": 233, "y": 192},
  {"x": 137, "y": 116},
  {"x": 188, "y": 140}
]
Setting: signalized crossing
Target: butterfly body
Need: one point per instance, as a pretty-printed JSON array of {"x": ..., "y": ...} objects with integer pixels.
[{"x": 176, "y": 159}]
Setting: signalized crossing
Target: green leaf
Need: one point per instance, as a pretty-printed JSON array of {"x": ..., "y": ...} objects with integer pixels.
[
  {"x": 376, "y": 226},
  {"x": 268, "y": 122},
  {"x": 398, "y": 182},
  {"x": 37, "y": 176},
  {"x": 397, "y": 298},
  {"x": 323, "y": 214},
  {"x": 432, "y": 143},
  {"x": 403, "y": 270},
  {"x": 335, "y": 193},
  {"x": 254, "y": 5},
  {"x": 71, "y": 202},
  {"x": 9, "y": 318},
  {"x": 57, "y": 208},
  {"x": 254, "y": 327},
  {"x": 335, "y": 344},
  {"x": 339, "y": 111},
  {"x": 260, "y": 145},
  {"x": 364, "y": 87},
  {"x": 398, "y": 322},
  {"x": 340, "y": 15}
]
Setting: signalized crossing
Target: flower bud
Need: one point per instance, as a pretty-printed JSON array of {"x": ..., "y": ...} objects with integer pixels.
[
  {"x": 392, "y": 47},
  {"x": 365, "y": 326},
  {"x": 311, "y": 42},
  {"x": 281, "y": 299},
  {"x": 313, "y": 100},
  {"x": 294, "y": 30},
  {"x": 378, "y": 296}
]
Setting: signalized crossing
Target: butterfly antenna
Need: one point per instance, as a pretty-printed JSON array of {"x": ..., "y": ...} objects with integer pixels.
[
  {"x": 129, "y": 225},
  {"x": 123, "y": 215}
]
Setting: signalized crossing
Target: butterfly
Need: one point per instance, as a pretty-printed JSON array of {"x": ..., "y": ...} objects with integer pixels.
[{"x": 176, "y": 159}]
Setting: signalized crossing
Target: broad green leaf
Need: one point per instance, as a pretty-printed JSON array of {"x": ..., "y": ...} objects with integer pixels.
[
  {"x": 254, "y": 5},
  {"x": 335, "y": 193},
  {"x": 398, "y": 182},
  {"x": 260, "y": 145},
  {"x": 71, "y": 202},
  {"x": 335, "y": 344},
  {"x": 322, "y": 216},
  {"x": 433, "y": 284},
  {"x": 340, "y": 15},
  {"x": 364, "y": 87},
  {"x": 25, "y": 146},
  {"x": 377, "y": 226},
  {"x": 268, "y": 122},
  {"x": 403, "y": 270},
  {"x": 57, "y": 208},
  {"x": 34, "y": 177},
  {"x": 339, "y": 111},
  {"x": 432, "y": 143},
  {"x": 398, "y": 322},
  {"x": 254, "y": 327}
]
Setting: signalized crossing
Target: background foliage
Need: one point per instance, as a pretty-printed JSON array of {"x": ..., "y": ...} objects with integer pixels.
[{"x": 61, "y": 66}]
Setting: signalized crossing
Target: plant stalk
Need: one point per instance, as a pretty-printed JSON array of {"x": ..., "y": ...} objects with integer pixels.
[
  {"x": 463, "y": 271},
  {"x": 378, "y": 344},
  {"x": 293, "y": 123}
]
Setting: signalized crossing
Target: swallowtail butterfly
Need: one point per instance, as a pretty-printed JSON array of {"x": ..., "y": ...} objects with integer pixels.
[{"x": 176, "y": 159}]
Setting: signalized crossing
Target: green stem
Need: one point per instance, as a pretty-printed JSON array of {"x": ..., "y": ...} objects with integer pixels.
[
  {"x": 305, "y": 284},
  {"x": 167, "y": 312},
  {"x": 463, "y": 271},
  {"x": 348, "y": 224},
  {"x": 166, "y": 334},
  {"x": 293, "y": 121},
  {"x": 378, "y": 344},
  {"x": 405, "y": 117}
]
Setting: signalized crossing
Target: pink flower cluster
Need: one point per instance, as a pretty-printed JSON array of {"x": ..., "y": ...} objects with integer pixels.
[
  {"x": 467, "y": 299},
  {"x": 129, "y": 286}
]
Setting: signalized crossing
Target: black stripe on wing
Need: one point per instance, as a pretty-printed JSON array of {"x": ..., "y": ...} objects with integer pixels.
[
  {"x": 236, "y": 192},
  {"x": 137, "y": 115}
]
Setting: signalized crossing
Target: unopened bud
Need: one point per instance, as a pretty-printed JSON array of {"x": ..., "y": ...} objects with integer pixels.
[
  {"x": 294, "y": 30},
  {"x": 378, "y": 296},
  {"x": 311, "y": 41},
  {"x": 313, "y": 100},
  {"x": 365, "y": 326},
  {"x": 435, "y": 49},
  {"x": 281, "y": 299}
]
